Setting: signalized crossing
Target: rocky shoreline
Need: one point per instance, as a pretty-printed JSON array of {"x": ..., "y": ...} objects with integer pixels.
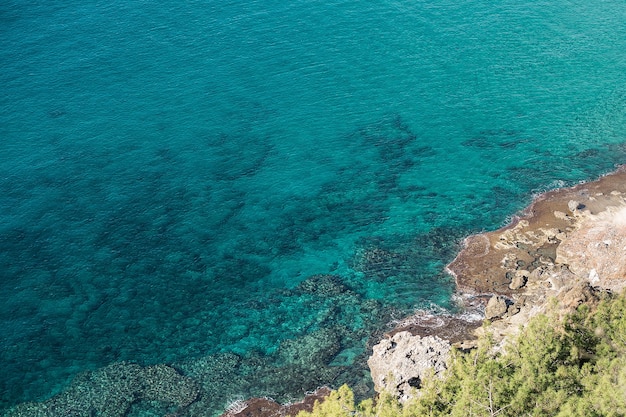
[
  {"x": 565, "y": 249},
  {"x": 567, "y": 246}
]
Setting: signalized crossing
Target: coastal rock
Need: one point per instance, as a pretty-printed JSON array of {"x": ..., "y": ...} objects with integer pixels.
[
  {"x": 582, "y": 227},
  {"x": 266, "y": 407},
  {"x": 593, "y": 250},
  {"x": 496, "y": 307},
  {"x": 566, "y": 246},
  {"x": 455, "y": 329},
  {"x": 579, "y": 294},
  {"x": 399, "y": 364},
  {"x": 519, "y": 280}
]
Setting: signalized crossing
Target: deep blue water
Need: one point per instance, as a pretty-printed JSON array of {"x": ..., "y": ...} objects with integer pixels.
[{"x": 175, "y": 175}]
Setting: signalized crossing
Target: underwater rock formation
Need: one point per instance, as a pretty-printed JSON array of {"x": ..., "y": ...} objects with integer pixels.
[
  {"x": 111, "y": 392},
  {"x": 323, "y": 285},
  {"x": 379, "y": 263},
  {"x": 310, "y": 350}
]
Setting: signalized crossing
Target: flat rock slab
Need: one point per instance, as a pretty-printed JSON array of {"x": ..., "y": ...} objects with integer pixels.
[{"x": 489, "y": 262}]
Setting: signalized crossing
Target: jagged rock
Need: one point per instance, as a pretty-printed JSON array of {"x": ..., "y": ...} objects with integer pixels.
[
  {"x": 452, "y": 328},
  {"x": 399, "y": 364},
  {"x": 574, "y": 205},
  {"x": 512, "y": 310},
  {"x": 579, "y": 294},
  {"x": 519, "y": 279},
  {"x": 496, "y": 307}
]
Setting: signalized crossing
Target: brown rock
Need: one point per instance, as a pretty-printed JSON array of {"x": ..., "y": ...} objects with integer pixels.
[
  {"x": 534, "y": 238},
  {"x": 451, "y": 328},
  {"x": 264, "y": 407},
  {"x": 579, "y": 294}
]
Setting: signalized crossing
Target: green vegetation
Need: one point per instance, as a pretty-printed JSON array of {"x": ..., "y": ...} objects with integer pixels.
[{"x": 574, "y": 366}]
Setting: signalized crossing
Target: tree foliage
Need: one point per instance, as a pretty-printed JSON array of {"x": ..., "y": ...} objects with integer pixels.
[{"x": 570, "y": 367}]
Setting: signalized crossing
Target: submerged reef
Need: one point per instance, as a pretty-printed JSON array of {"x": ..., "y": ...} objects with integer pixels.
[
  {"x": 321, "y": 353},
  {"x": 112, "y": 391}
]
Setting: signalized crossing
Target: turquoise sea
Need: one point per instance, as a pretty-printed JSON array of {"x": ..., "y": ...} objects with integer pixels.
[{"x": 250, "y": 191}]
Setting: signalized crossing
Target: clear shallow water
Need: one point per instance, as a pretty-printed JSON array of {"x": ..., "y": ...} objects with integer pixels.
[{"x": 172, "y": 175}]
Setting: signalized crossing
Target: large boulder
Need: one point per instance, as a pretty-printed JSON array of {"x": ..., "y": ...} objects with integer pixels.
[
  {"x": 519, "y": 279},
  {"x": 399, "y": 364},
  {"x": 496, "y": 307}
]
